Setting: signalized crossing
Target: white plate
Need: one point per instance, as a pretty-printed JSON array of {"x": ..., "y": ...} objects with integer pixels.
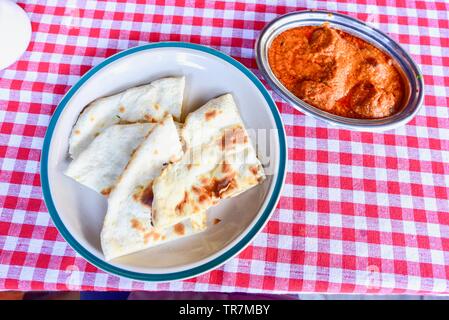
[{"x": 78, "y": 212}]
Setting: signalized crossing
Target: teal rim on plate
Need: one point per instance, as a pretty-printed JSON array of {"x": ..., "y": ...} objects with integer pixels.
[{"x": 198, "y": 269}]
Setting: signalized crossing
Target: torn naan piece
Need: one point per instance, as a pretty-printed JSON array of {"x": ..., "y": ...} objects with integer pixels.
[
  {"x": 127, "y": 226},
  {"x": 105, "y": 158},
  {"x": 220, "y": 162},
  {"x": 147, "y": 103}
]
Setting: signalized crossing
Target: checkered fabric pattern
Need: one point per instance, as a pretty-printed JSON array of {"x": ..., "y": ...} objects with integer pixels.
[{"x": 360, "y": 212}]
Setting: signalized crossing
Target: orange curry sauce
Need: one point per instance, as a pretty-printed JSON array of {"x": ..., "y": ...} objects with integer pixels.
[{"x": 337, "y": 72}]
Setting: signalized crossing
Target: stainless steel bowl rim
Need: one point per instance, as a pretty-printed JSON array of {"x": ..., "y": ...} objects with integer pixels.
[{"x": 360, "y": 29}]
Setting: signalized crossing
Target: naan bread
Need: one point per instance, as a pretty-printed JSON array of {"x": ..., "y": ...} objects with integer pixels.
[
  {"x": 105, "y": 158},
  {"x": 220, "y": 162},
  {"x": 127, "y": 226},
  {"x": 202, "y": 125},
  {"x": 147, "y": 103}
]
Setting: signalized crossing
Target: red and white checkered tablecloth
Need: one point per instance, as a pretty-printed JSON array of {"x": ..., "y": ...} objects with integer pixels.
[{"x": 360, "y": 212}]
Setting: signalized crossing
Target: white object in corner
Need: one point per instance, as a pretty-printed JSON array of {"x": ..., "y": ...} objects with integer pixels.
[{"x": 15, "y": 32}]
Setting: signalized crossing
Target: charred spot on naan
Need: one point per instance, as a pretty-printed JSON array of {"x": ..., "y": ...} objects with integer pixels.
[
  {"x": 216, "y": 187},
  {"x": 121, "y": 109},
  {"x": 202, "y": 193},
  {"x": 203, "y": 197},
  {"x": 182, "y": 204},
  {"x": 151, "y": 234},
  {"x": 106, "y": 191},
  {"x": 233, "y": 136},
  {"x": 147, "y": 195},
  {"x": 149, "y": 118},
  {"x": 196, "y": 189},
  {"x": 226, "y": 167},
  {"x": 179, "y": 229},
  {"x": 148, "y": 233},
  {"x": 136, "y": 224},
  {"x": 254, "y": 170},
  {"x": 211, "y": 114},
  {"x": 144, "y": 194},
  {"x": 217, "y": 221},
  {"x": 225, "y": 186}
]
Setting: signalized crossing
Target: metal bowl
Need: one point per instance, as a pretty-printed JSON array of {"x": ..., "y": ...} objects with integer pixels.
[{"x": 412, "y": 75}]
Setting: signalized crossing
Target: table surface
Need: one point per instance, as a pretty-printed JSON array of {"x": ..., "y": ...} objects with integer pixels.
[{"x": 360, "y": 212}]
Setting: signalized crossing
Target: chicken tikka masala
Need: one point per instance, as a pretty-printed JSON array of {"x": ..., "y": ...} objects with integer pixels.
[{"x": 337, "y": 72}]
